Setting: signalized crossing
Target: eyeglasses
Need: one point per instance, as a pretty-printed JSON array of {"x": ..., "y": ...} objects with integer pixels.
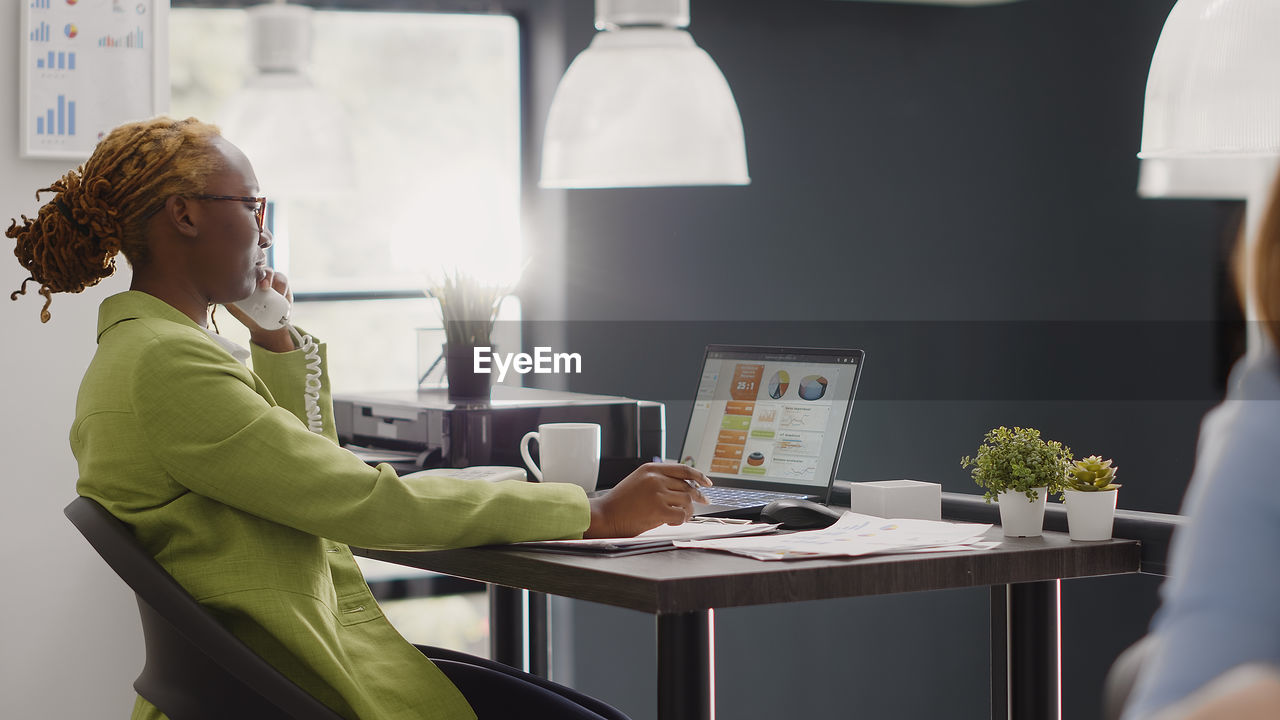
[{"x": 259, "y": 210}]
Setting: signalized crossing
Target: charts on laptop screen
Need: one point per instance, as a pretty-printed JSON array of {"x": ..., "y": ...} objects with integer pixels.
[{"x": 771, "y": 417}]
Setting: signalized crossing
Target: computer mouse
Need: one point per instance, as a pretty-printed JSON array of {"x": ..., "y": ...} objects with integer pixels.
[{"x": 799, "y": 514}]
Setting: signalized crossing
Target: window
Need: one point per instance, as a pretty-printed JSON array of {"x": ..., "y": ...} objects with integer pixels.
[{"x": 433, "y": 106}]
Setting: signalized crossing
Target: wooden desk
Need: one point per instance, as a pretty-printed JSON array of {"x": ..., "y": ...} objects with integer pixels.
[{"x": 681, "y": 587}]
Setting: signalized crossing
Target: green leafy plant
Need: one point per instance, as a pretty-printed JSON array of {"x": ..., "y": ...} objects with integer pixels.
[
  {"x": 1092, "y": 474},
  {"x": 468, "y": 308},
  {"x": 1018, "y": 460}
]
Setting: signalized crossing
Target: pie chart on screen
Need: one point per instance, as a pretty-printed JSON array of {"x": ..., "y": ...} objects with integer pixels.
[
  {"x": 779, "y": 383},
  {"x": 813, "y": 387}
]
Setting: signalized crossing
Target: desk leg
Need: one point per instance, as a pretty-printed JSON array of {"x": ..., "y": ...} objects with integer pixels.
[
  {"x": 685, "y": 666},
  {"x": 539, "y": 645},
  {"x": 510, "y": 629},
  {"x": 1025, "y": 651},
  {"x": 506, "y": 626}
]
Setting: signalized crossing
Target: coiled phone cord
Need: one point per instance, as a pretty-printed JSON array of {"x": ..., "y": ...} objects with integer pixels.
[{"x": 311, "y": 386}]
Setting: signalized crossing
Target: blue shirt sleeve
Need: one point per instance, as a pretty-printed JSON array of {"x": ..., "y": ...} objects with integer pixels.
[{"x": 1221, "y": 603}]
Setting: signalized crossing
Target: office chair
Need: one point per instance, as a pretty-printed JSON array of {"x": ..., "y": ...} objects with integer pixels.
[
  {"x": 195, "y": 668},
  {"x": 1124, "y": 675}
]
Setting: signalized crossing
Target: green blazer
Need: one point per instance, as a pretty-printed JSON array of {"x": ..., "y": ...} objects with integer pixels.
[{"x": 213, "y": 468}]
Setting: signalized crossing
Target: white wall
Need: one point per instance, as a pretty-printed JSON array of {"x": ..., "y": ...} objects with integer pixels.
[{"x": 70, "y": 642}]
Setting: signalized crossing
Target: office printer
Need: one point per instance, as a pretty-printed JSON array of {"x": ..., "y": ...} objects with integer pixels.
[{"x": 423, "y": 429}]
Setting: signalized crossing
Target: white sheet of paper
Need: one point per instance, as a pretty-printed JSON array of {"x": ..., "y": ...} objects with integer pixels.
[
  {"x": 659, "y": 535},
  {"x": 852, "y": 535}
]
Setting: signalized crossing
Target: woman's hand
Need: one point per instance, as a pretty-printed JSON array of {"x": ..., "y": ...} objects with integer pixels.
[
  {"x": 277, "y": 340},
  {"x": 657, "y": 493}
]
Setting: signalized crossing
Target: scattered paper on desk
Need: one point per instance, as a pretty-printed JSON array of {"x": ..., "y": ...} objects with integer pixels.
[
  {"x": 662, "y": 536},
  {"x": 852, "y": 535}
]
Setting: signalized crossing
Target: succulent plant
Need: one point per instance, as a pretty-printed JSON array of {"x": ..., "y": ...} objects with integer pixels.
[{"x": 1092, "y": 474}]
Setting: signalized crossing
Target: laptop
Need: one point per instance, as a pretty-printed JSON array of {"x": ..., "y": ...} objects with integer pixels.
[{"x": 768, "y": 423}]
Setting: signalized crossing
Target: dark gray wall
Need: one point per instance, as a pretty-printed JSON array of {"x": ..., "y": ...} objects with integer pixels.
[{"x": 952, "y": 190}]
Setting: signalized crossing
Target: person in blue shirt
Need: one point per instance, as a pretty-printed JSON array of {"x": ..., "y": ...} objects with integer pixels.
[{"x": 1216, "y": 637}]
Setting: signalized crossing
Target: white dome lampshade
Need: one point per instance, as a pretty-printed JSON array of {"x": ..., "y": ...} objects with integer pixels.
[
  {"x": 1212, "y": 116},
  {"x": 1211, "y": 126},
  {"x": 296, "y": 136},
  {"x": 643, "y": 106},
  {"x": 1213, "y": 86}
]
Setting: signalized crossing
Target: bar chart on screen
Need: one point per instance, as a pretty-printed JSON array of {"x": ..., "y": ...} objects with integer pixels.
[{"x": 87, "y": 67}]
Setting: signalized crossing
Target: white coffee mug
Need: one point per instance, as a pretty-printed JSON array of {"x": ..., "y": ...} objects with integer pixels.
[{"x": 570, "y": 452}]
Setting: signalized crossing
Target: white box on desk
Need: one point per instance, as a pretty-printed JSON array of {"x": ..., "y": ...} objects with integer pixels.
[{"x": 897, "y": 499}]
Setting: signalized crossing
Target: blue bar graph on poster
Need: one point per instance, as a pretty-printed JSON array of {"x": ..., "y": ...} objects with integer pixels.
[
  {"x": 40, "y": 4},
  {"x": 62, "y": 61},
  {"x": 71, "y": 61},
  {"x": 40, "y": 63},
  {"x": 66, "y": 123},
  {"x": 40, "y": 33},
  {"x": 49, "y": 63}
]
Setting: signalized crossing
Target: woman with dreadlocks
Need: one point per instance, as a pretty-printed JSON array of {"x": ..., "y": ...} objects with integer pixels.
[{"x": 213, "y": 467}]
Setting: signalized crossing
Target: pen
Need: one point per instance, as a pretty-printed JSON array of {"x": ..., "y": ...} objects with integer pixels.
[{"x": 719, "y": 520}]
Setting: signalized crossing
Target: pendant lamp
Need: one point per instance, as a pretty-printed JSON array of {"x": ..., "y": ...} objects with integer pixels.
[
  {"x": 296, "y": 136},
  {"x": 1211, "y": 127},
  {"x": 643, "y": 106}
]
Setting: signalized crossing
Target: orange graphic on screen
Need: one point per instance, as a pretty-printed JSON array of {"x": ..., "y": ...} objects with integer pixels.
[
  {"x": 746, "y": 381},
  {"x": 729, "y": 452},
  {"x": 737, "y": 407},
  {"x": 732, "y": 437},
  {"x": 721, "y": 465}
]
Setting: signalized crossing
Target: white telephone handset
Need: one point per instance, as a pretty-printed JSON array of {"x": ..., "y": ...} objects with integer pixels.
[
  {"x": 270, "y": 310},
  {"x": 266, "y": 307}
]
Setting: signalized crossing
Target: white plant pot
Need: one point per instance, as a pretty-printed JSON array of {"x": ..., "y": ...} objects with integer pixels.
[
  {"x": 1020, "y": 517},
  {"x": 1090, "y": 514}
]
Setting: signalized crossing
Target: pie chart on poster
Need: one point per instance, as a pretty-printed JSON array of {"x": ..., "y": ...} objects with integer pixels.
[
  {"x": 813, "y": 387},
  {"x": 755, "y": 459},
  {"x": 779, "y": 383}
]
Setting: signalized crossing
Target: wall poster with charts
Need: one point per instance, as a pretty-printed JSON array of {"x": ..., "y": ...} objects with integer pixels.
[{"x": 87, "y": 66}]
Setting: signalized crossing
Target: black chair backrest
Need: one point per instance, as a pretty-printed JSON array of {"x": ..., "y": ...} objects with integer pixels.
[
  {"x": 1123, "y": 676},
  {"x": 195, "y": 668}
]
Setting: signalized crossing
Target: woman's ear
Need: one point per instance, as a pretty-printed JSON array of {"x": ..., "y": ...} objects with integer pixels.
[{"x": 181, "y": 213}]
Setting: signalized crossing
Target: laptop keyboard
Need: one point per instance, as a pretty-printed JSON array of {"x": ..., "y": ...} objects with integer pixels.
[{"x": 740, "y": 498}]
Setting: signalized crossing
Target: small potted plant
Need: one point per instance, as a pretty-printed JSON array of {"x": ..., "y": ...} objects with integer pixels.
[
  {"x": 1019, "y": 470},
  {"x": 468, "y": 310},
  {"x": 1090, "y": 496}
]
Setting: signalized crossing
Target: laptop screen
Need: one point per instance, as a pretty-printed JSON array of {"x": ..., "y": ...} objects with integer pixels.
[{"x": 772, "y": 418}]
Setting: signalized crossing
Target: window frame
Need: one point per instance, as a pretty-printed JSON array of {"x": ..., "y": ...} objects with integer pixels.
[{"x": 519, "y": 10}]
